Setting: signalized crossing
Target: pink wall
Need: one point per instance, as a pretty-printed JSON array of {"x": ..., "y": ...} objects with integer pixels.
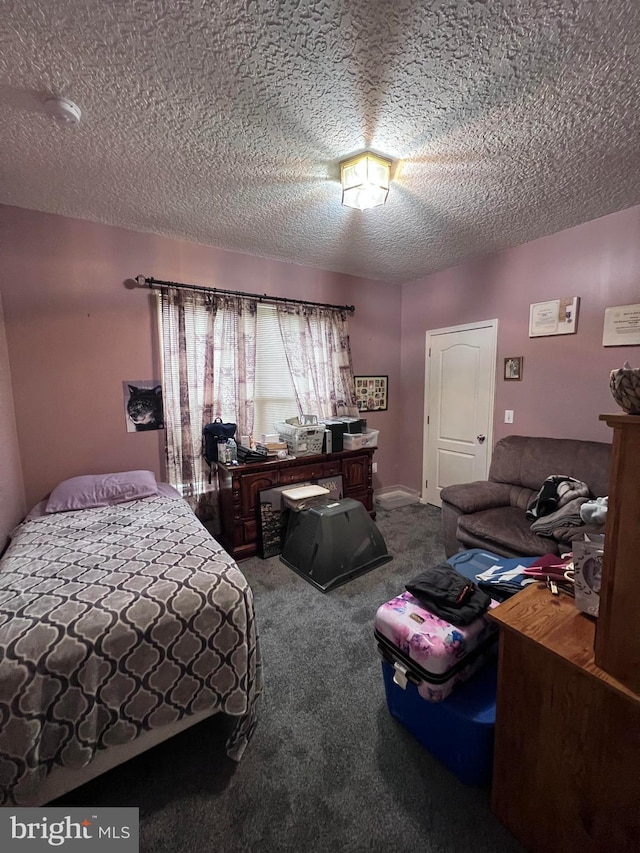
[
  {"x": 565, "y": 383},
  {"x": 75, "y": 332},
  {"x": 12, "y": 504}
]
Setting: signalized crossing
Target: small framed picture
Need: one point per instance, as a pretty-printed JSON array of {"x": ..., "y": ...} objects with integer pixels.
[
  {"x": 143, "y": 404},
  {"x": 371, "y": 393},
  {"x": 513, "y": 367}
]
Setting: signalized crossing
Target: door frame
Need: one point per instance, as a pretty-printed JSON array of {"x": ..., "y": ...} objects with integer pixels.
[{"x": 466, "y": 327}]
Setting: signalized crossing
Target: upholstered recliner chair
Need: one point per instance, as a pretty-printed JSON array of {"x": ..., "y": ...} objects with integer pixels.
[{"x": 490, "y": 514}]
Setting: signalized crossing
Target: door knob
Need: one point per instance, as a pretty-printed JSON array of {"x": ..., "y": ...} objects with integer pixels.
[{"x": 481, "y": 438}]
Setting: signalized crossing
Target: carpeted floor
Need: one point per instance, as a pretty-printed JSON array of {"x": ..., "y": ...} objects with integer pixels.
[{"x": 328, "y": 769}]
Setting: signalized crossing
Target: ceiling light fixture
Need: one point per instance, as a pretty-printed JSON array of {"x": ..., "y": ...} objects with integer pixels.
[
  {"x": 365, "y": 180},
  {"x": 63, "y": 110}
]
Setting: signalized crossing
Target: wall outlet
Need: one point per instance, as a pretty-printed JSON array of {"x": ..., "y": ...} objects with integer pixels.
[
  {"x": 374, "y": 467},
  {"x": 508, "y": 416}
]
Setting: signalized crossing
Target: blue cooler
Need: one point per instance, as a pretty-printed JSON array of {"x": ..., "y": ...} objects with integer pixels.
[{"x": 457, "y": 731}]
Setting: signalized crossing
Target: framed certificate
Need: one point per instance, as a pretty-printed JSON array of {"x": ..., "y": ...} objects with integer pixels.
[
  {"x": 555, "y": 317},
  {"x": 621, "y": 326}
]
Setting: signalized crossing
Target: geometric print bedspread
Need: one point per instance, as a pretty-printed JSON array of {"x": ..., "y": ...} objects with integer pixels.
[{"x": 114, "y": 621}]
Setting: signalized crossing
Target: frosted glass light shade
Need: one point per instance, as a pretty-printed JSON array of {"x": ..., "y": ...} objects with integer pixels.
[{"x": 365, "y": 181}]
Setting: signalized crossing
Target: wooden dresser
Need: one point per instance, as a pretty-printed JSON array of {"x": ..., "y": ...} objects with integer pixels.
[
  {"x": 566, "y": 774},
  {"x": 240, "y": 486},
  {"x": 617, "y": 648}
]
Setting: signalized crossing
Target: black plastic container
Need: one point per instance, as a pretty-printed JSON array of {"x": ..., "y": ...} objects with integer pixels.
[{"x": 332, "y": 543}]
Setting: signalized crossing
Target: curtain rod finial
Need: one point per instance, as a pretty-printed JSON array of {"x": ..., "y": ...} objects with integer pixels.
[{"x": 141, "y": 280}]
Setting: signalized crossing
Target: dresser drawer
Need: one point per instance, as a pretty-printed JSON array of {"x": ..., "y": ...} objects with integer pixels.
[
  {"x": 331, "y": 469},
  {"x": 313, "y": 471}
]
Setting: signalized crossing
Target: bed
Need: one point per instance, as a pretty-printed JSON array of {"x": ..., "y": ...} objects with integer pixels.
[{"x": 121, "y": 624}]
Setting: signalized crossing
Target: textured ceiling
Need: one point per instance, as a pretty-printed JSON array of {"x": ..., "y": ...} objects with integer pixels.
[{"x": 223, "y": 123}]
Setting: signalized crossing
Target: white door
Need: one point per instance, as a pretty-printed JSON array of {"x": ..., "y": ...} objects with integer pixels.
[{"x": 459, "y": 403}]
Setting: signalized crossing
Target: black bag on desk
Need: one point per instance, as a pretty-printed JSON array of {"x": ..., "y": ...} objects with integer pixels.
[{"x": 214, "y": 434}]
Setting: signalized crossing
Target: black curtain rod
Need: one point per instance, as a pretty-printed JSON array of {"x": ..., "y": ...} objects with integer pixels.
[{"x": 143, "y": 281}]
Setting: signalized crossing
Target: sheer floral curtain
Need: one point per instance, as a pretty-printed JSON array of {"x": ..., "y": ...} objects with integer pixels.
[
  {"x": 208, "y": 349},
  {"x": 316, "y": 342}
]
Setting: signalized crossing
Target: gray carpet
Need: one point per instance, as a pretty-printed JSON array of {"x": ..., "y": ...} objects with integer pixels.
[{"x": 328, "y": 769}]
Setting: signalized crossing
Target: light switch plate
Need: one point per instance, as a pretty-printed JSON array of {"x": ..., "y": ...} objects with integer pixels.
[{"x": 508, "y": 416}]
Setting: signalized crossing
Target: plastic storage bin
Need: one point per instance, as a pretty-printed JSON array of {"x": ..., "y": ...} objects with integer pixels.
[
  {"x": 394, "y": 497},
  {"x": 459, "y": 731},
  {"x": 354, "y": 441},
  {"x": 302, "y": 440}
]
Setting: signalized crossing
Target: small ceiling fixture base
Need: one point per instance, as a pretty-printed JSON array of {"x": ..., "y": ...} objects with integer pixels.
[
  {"x": 365, "y": 180},
  {"x": 63, "y": 110}
]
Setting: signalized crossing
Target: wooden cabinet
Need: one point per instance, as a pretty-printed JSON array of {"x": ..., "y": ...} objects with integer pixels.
[
  {"x": 240, "y": 486},
  {"x": 567, "y": 739},
  {"x": 356, "y": 477},
  {"x": 248, "y": 486}
]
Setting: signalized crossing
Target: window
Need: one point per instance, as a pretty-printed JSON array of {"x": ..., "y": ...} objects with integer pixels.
[
  {"x": 251, "y": 363},
  {"x": 274, "y": 397}
]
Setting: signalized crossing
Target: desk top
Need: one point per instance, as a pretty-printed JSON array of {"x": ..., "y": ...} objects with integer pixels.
[
  {"x": 555, "y": 623},
  {"x": 293, "y": 461}
]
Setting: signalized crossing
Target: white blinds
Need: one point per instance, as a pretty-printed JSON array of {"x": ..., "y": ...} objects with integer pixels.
[{"x": 275, "y": 398}]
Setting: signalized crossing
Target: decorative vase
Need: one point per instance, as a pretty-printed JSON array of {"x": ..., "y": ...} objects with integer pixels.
[{"x": 625, "y": 388}]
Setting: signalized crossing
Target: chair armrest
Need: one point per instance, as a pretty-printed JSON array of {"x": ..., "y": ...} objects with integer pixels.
[{"x": 474, "y": 497}]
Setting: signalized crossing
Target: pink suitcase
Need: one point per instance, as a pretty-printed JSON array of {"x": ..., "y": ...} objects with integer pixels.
[{"x": 428, "y": 651}]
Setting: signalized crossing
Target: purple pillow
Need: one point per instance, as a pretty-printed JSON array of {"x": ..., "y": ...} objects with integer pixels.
[{"x": 101, "y": 490}]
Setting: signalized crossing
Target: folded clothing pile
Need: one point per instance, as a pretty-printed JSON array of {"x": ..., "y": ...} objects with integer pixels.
[
  {"x": 556, "y": 491},
  {"x": 449, "y": 595},
  {"x": 562, "y": 510}
]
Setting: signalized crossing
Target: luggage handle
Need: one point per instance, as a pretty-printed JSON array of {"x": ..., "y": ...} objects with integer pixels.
[
  {"x": 400, "y": 675},
  {"x": 406, "y": 675}
]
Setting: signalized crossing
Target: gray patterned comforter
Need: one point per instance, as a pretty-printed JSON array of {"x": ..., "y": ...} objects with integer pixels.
[{"x": 114, "y": 621}]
